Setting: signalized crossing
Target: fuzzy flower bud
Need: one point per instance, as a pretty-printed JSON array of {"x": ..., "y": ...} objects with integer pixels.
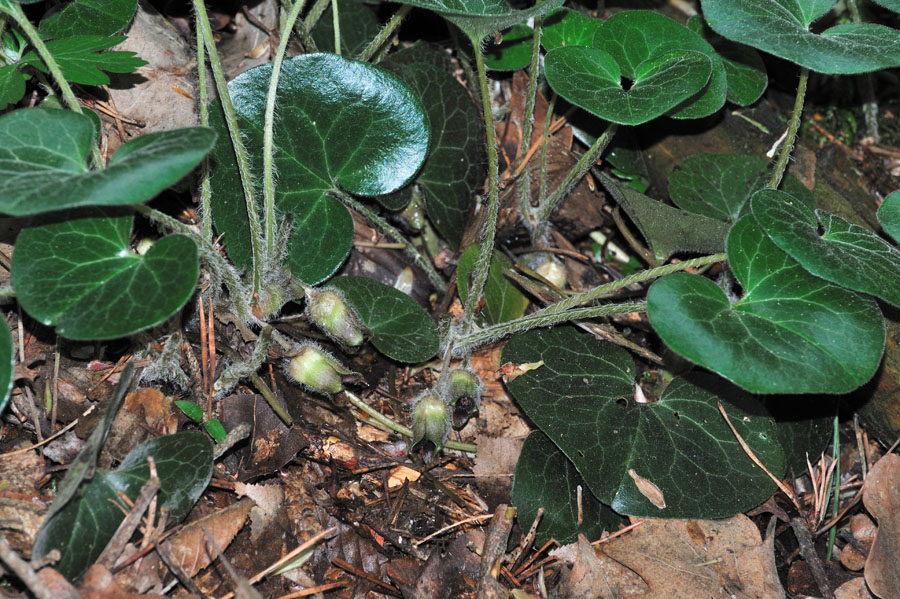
[
  {"x": 328, "y": 309},
  {"x": 462, "y": 391},
  {"x": 316, "y": 369},
  {"x": 430, "y": 420}
]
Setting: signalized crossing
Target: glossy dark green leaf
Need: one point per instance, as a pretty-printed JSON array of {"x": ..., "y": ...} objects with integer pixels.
[
  {"x": 358, "y": 27},
  {"x": 12, "y": 85},
  {"x": 545, "y": 478},
  {"x": 340, "y": 124},
  {"x": 782, "y": 28},
  {"x": 82, "y": 529},
  {"x": 791, "y": 332},
  {"x": 513, "y": 52},
  {"x": 88, "y": 17},
  {"x": 805, "y": 428},
  {"x": 190, "y": 409},
  {"x": 7, "y": 365},
  {"x": 667, "y": 229},
  {"x": 889, "y": 215},
  {"x": 745, "y": 70},
  {"x": 720, "y": 185},
  {"x": 846, "y": 254},
  {"x": 582, "y": 399},
  {"x": 479, "y": 18},
  {"x": 502, "y": 300},
  {"x": 81, "y": 276},
  {"x": 591, "y": 79},
  {"x": 82, "y": 59},
  {"x": 454, "y": 168},
  {"x": 43, "y": 162},
  {"x": 565, "y": 27},
  {"x": 400, "y": 328}
]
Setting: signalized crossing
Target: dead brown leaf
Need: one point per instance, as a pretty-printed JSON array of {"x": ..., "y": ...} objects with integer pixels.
[
  {"x": 881, "y": 496},
  {"x": 188, "y": 547},
  {"x": 699, "y": 559},
  {"x": 595, "y": 575},
  {"x": 20, "y": 514},
  {"x": 853, "y": 589}
]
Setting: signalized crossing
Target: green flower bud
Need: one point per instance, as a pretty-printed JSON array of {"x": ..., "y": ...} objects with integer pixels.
[
  {"x": 328, "y": 309},
  {"x": 430, "y": 420},
  {"x": 462, "y": 391},
  {"x": 316, "y": 369}
]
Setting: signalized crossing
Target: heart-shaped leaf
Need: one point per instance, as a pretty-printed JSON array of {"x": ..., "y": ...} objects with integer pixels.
[
  {"x": 454, "y": 168},
  {"x": 545, "y": 478},
  {"x": 745, "y": 70},
  {"x": 7, "y": 365},
  {"x": 12, "y": 85},
  {"x": 81, "y": 276},
  {"x": 846, "y": 254},
  {"x": 889, "y": 215},
  {"x": 565, "y": 27},
  {"x": 781, "y": 27},
  {"x": 672, "y": 458},
  {"x": 401, "y": 329},
  {"x": 791, "y": 332},
  {"x": 82, "y": 59},
  {"x": 513, "y": 52},
  {"x": 720, "y": 185},
  {"x": 479, "y": 18},
  {"x": 667, "y": 229},
  {"x": 591, "y": 79},
  {"x": 502, "y": 300},
  {"x": 43, "y": 162},
  {"x": 340, "y": 124},
  {"x": 82, "y": 529},
  {"x": 88, "y": 17}
]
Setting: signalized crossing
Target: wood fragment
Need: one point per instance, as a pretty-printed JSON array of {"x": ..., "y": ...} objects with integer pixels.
[{"x": 494, "y": 549}]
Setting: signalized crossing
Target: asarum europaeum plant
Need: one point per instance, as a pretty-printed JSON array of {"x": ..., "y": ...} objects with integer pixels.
[{"x": 297, "y": 144}]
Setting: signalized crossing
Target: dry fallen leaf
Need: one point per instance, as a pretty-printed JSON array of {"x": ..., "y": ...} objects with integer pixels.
[
  {"x": 853, "y": 589},
  {"x": 594, "y": 575},
  {"x": 648, "y": 489},
  {"x": 881, "y": 496},
  {"x": 188, "y": 546},
  {"x": 699, "y": 559}
]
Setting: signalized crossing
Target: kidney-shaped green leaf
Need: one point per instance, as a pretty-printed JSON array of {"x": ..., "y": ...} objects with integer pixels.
[
  {"x": 7, "y": 365},
  {"x": 781, "y": 27},
  {"x": 83, "y": 528},
  {"x": 889, "y": 215},
  {"x": 582, "y": 399},
  {"x": 401, "y": 329},
  {"x": 12, "y": 85},
  {"x": 513, "y": 52},
  {"x": 454, "y": 168},
  {"x": 340, "y": 124},
  {"x": 846, "y": 254},
  {"x": 545, "y": 478},
  {"x": 591, "y": 79},
  {"x": 720, "y": 185},
  {"x": 88, "y": 17},
  {"x": 791, "y": 332},
  {"x": 81, "y": 276},
  {"x": 479, "y": 18},
  {"x": 566, "y": 27},
  {"x": 43, "y": 162}
]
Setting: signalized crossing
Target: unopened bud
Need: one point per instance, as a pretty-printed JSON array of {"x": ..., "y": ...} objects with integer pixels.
[
  {"x": 463, "y": 394},
  {"x": 430, "y": 420},
  {"x": 328, "y": 309},
  {"x": 554, "y": 272},
  {"x": 316, "y": 369}
]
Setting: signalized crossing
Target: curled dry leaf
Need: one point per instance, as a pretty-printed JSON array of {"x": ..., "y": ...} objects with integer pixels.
[
  {"x": 595, "y": 575},
  {"x": 188, "y": 547},
  {"x": 882, "y": 498}
]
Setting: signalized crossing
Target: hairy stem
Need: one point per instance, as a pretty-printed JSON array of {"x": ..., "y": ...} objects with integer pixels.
[
  {"x": 240, "y": 152},
  {"x": 386, "y": 32},
  {"x": 269, "y": 128},
  {"x": 34, "y": 38},
  {"x": 205, "y": 193},
  {"x": 470, "y": 341},
  {"x": 584, "y": 164},
  {"x": 793, "y": 127},
  {"x": 314, "y": 13},
  {"x": 385, "y": 227},
  {"x": 645, "y": 275},
  {"x": 528, "y": 118},
  {"x": 480, "y": 273},
  {"x": 336, "y": 25},
  {"x": 399, "y": 428}
]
